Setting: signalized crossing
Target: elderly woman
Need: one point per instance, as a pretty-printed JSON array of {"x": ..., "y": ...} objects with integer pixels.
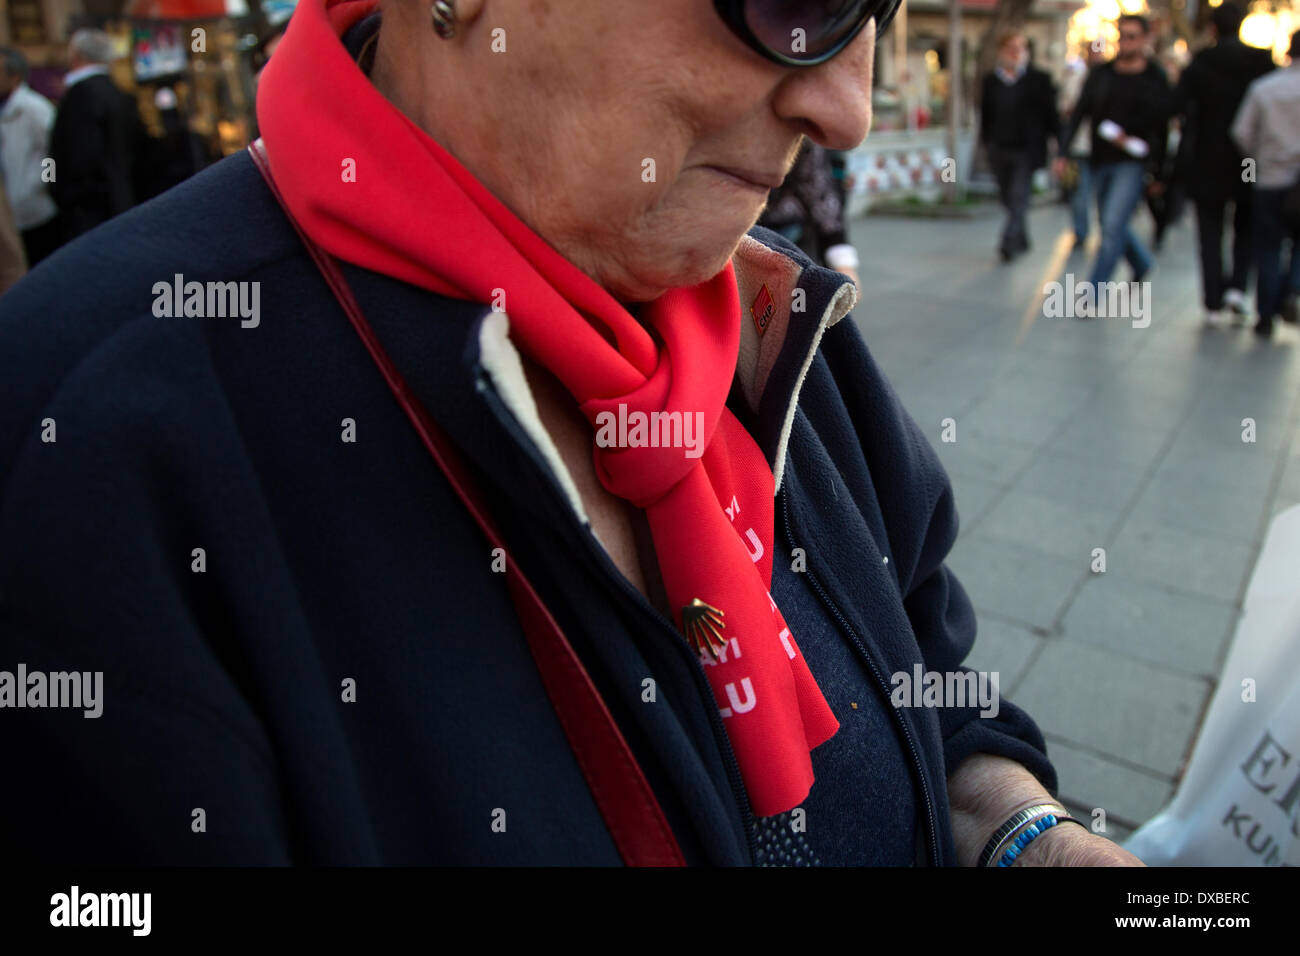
[{"x": 456, "y": 477}]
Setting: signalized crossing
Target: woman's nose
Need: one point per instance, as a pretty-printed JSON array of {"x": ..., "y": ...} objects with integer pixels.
[{"x": 832, "y": 101}]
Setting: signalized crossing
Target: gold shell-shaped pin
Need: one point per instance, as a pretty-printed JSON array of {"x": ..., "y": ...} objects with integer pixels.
[{"x": 703, "y": 624}]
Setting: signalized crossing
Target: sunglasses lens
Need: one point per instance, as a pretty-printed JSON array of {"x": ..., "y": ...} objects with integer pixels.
[{"x": 808, "y": 29}]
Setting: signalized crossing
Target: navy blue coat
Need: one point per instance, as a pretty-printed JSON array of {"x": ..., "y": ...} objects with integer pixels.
[{"x": 328, "y": 561}]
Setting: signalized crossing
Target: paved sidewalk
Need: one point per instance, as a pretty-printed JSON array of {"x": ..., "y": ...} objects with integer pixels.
[{"x": 1073, "y": 436}]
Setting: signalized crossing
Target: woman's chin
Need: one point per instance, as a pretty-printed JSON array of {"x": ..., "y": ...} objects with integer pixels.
[
  {"x": 688, "y": 270},
  {"x": 690, "y": 264}
]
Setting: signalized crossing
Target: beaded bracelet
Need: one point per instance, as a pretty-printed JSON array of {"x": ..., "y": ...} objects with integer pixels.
[
  {"x": 1016, "y": 826},
  {"x": 1026, "y": 837}
]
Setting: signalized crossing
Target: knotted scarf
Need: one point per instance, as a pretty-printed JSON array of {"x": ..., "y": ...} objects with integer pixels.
[{"x": 373, "y": 189}]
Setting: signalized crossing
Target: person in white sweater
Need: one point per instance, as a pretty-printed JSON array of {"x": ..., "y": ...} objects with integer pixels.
[
  {"x": 26, "y": 119},
  {"x": 1267, "y": 130}
]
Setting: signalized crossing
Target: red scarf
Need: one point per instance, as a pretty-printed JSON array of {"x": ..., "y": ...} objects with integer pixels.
[{"x": 411, "y": 211}]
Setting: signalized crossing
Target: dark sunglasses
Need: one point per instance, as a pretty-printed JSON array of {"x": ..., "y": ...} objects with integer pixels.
[{"x": 769, "y": 26}]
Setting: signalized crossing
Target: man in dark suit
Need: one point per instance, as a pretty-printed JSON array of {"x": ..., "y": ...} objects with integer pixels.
[
  {"x": 1208, "y": 94},
  {"x": 1017, "y": 116},
  {"x": 96, "y": 140}
]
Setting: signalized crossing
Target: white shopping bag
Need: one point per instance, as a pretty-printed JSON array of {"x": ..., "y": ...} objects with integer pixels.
[{"x": 1239, "y": 802}]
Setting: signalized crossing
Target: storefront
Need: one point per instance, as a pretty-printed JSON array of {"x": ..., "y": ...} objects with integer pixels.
[
  {"x": 206, "y": 53},
  {"x": 912, "y": 71}
]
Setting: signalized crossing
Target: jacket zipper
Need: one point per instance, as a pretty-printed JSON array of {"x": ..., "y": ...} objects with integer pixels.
[
  {"x": 706, "y": 692},
  {"x": 677, "y": 641},
  {"x": 863, "y": 650}
]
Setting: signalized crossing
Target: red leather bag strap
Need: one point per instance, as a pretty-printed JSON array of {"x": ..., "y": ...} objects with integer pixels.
[{"x": 623, "y": 795}]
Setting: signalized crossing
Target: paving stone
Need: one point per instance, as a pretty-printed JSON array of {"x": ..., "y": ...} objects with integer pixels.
[
  {"x": 1070, "y": 530},
  {"x": 1184, "y": 500},
  {"x": 973, "y": 497},
  {"x": 1013, "y": 581},
  {"x": 1109, "y": 442},
  {"x": 1003, "y": 647},
  {"x": 1222, "y": 426},
  {"x": 1014, "y": 420},
  {"x": 1177, "y": 631},
  {"x": 1124, "y": 709},
  {"x": 980, "y": 455},
  {"x": 1085, "y": 482},
  {"x": 1249, "y": 468},
  {"x": 1089, "y": 782},
  {"x": 1195, "y": 562}
]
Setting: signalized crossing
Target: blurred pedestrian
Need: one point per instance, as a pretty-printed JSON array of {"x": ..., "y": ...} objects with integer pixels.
[
  {"x": 26, "y": 118},
  {"x": 1290, "y": 310},
  {"x": 1267, "y": 130},
  {"x": 1128, "y": 102},
  {"x": 177, "y": 155},
  {"x": 1077, "y": 175},
  {"x": 1207, "y": 97},
  {"x": 97, "y": 139},
  {"x": 808, "y": 208},
  {"x": 13, "y": 263},
  {"x": 1017, "y": 117},
  {"x": 1166, "y": 204}
]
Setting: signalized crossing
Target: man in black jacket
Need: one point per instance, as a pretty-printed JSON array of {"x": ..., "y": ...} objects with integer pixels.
[
  {"x": 96, "y": 140},
  {"x": 1018, "y": 114},
  {"x": 1207, "y": 98},
  {"x": 1128, "y": 102}
]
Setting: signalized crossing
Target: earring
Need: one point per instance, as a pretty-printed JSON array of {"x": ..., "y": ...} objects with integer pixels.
[{"x": 444, "y": 19}]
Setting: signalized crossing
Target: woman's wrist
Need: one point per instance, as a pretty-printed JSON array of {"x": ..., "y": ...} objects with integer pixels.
[
  {"x": 983, "y": 793},
  {"x": 1046, "y": 848}
]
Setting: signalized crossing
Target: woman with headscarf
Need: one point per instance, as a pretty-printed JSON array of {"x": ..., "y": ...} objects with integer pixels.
[{"x": 455, "y": 477}]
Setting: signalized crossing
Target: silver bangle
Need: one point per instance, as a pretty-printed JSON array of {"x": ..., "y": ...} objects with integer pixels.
[{"x": 1016, "y": 824}]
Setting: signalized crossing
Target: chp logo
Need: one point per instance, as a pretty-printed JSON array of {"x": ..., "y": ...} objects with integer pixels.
[{"x": 763, "y": 309}]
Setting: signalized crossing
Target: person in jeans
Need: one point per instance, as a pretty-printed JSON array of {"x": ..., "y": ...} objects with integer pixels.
[
  {"x": 1267, "y": 129},
  {"x": 1207, "y": 97},
  {"x": 1017, "y": 115},
  {"x": 1079, "y": 149},
  {"x": 1128, "y": 101}
]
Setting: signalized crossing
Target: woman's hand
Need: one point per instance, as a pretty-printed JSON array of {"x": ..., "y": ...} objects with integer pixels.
[{"x": 1068, "y": 845}]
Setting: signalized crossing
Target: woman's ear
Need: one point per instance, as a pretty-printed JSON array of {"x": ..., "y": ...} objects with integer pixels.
[{"x": 467, "y": 11}]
